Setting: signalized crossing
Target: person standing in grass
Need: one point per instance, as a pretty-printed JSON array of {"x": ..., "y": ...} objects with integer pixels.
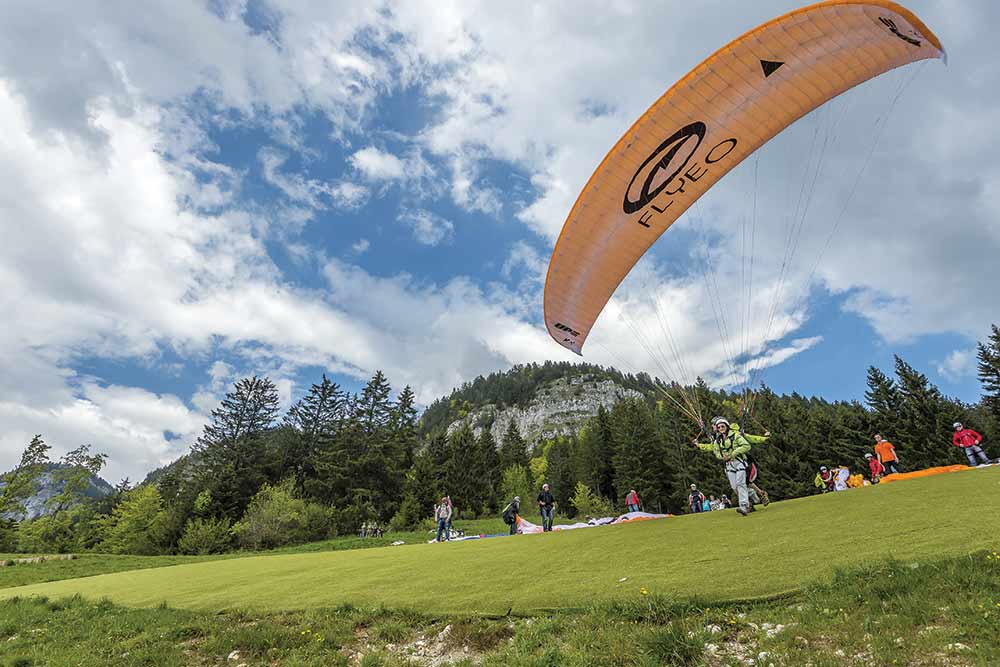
[
  {"x": 886, "y": 454},
  {"x": 451, "y": 515},
  {"x": 510, "y": 514},
  {"x": 876, "y": 468},
  {"x": 968, "y": 440},
  {"x": 695, "y": 499},
  {"x": 731, "y": 448},
  {"x": 632, "y": 501},
  {"x": 547, "y": 505},
  {"x": 442, "y": 516}
]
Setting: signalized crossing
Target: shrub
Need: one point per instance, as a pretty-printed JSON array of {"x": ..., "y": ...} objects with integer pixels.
[
  {"x": 206, "y": 536},
  {"x": 275, "y": 517},
  {"x": 137, "y": 525},
  {"x": 587, "y": 503}
]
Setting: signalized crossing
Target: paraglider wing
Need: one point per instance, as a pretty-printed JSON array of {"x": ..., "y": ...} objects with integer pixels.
[{"x": 707, "y": 123}]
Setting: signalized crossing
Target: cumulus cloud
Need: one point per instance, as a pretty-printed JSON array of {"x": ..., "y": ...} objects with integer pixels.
[
  {"x": 378, "y": 165},
  {"x": 958, "y": 364}
]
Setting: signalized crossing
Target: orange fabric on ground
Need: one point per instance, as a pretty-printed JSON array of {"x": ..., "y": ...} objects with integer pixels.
[
  {"x": 927, "y": 472},
  {"x": 885, "y": 451}
]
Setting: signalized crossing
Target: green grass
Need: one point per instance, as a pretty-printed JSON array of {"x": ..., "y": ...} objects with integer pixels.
[
  {"x": 942, "y": 612},
  {"x": 716, "y": 557}
]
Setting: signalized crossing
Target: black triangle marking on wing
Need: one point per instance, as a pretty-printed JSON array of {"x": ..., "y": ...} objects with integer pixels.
[{"x": 770, "y": 66}]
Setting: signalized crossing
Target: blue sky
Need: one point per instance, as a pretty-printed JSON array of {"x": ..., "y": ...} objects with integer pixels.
[{"x": 196, "y": 192}]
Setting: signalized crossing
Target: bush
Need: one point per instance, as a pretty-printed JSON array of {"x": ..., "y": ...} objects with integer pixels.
[
  {"x": 137, "y": 525},
  {"x": 46, "y": 534},
  {"x": 587, "y": 503},
  {"x": 275, "y": 517},
  {"x": 206, "y": 536}
]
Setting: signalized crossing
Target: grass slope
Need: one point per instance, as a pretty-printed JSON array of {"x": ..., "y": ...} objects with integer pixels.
[{"x": 716, "y": 557}]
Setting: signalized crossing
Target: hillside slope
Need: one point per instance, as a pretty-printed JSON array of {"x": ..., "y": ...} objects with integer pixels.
[{"x": 718, "y": 556}]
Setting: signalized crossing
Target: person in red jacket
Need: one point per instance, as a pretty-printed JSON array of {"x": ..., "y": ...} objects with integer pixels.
[
  {"x": 967, "y": 439},
  {"x": 632, "y": 501},
  {"x": 876, "y": 468}
]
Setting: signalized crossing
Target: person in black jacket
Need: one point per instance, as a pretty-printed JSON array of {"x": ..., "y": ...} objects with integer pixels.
[
  {"x": 547, "y": 505},
  {"x": 510, "y": 514}
]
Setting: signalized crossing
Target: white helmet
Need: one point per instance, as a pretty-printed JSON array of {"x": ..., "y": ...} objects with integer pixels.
[
  {"x": 868, "y": 456},
  {"x": 957, "y": 425}
]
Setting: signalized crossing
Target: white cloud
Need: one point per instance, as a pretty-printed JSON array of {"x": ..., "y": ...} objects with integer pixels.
[
  {"x": 378, "y": 165},
  {"x": 361, "y": 246},
  {"x": 428, "y": 228},
  {"x": 958, "y": 364}
]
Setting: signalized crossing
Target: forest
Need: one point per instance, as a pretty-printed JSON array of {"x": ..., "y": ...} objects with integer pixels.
[{"x": 258, "y": 479}]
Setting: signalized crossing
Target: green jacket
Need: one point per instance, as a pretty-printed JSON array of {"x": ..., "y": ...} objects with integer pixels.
[
  {"x": 754, "y": 439},
  {"x": 733, "y": 444}
]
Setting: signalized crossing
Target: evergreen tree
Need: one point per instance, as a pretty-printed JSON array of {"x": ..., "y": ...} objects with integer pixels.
[
  {"x": 886, "y": 402},
  {"x": 561, "y": 473},
  {"x": 989, "y": 373},
  {"x": 596, "y": 455},
  {"x": 488, "y": 460},
  {"x": 513, "y": 449},
  {"x": 316, "y": 420},
  {"x": 232, "y": 449},
  {"x": 462, "y": 481},
  {"x": 927, "y": 419},
  {"x": 639, "y": 453}
]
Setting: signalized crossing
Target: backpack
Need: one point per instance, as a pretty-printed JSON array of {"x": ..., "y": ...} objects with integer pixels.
[{"x": 508, "y": 515}]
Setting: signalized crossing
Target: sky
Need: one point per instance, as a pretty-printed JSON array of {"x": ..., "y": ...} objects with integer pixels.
[{"x": 194, "y": 192}]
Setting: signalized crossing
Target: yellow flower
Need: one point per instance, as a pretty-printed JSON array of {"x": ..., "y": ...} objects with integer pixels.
[{"x": 644, "y": 591}]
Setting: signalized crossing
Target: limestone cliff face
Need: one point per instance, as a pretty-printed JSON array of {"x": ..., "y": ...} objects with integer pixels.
[{"x": 559, "y": 408}]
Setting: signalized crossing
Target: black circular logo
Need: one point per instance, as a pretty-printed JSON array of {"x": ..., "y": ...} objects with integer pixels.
[{"x": 669, "y": 159}]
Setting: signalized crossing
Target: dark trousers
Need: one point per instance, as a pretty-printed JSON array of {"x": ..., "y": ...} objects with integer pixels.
[
  {"x": 696, "y": 507},
  {"x": 891, "y": 467},
  {"x": 547, "y": 513},
  {"x": 442, "y": 529}
]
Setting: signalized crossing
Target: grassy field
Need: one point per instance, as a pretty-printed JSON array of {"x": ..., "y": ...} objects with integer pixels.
[
  {"x": 943, "y": 612},
  {"x": 715, "y": 557}
]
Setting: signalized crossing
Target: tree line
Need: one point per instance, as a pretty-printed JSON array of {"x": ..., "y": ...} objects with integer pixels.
[{"x": 256, "y": 478}]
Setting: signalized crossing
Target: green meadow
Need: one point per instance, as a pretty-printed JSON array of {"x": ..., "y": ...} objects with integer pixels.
[{"x": 716, "y": 558}]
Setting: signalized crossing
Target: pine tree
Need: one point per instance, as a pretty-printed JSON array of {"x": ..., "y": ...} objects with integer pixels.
[
  {"x": 638, "y": 453},
  {"x": 513, "y": 449},
  {"x": 461, "y": 478},
  {"x": 927, "y": 418},
  {"x": 989, "y": 373},
  {"x": 488, "y": 461},
  {"x": 561, "y": 472},
  {"x": 886, "y": 402},
  {"x": 596, "y": 455},
  {"x": 231, "y": 448},
  {"x": 316, "y": 420}
]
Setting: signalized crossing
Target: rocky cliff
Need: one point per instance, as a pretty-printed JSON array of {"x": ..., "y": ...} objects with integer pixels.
[
  {"x": 50, "y": 486},
  {"x": 560, "y": 407}
]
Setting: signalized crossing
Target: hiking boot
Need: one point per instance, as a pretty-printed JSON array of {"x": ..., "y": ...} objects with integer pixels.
[
  {"x": 765, "y": 499},
  {"x": 742, "y": 511}
]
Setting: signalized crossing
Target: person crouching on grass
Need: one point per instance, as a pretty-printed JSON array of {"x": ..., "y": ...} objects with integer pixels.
[
  {"x": 731, "y": 448},
  {"x": 875, "y": 467}
]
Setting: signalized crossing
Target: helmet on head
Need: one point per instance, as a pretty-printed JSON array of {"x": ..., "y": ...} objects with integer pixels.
[
  {"x": 868, "y": 456},
  {"x": 957, "y": 425},
  {"x": 822, "y": 468},
  {"x": 719, "y": 420},
  {"x": 694, "y": 486}
]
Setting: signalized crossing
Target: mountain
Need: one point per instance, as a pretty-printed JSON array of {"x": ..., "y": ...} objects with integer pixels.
[
  {"x": 49, "y": 487},
  {"x": 544, "y": 400}
]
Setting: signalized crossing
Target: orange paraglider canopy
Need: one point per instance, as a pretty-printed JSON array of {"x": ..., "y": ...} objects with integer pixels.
[
  {"x": 926, "y": 472},
  {"x": 707, "y": 123}
]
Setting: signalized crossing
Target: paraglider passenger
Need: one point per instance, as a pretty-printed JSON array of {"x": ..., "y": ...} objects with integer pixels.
[
  {"x": 632, "y": 501},
  {"x": 695, "y": 499},
  {"x": 968, "y": 440},
  {"x": 546, "y": 503},
  {"x": 876, "y": 468},
  {"x": 886, "y": 454},
  {"x": 731, "y": 448},
  {"x": 442, "y": 515},
  {"x": 510, "y": 514}
]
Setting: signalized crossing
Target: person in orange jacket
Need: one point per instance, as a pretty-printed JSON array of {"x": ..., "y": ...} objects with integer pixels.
[
  {"x": 968, "y": 440},
  {"x": 886, "y": 454}
]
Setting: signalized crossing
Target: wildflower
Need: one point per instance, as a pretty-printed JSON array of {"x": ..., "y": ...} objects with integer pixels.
[{"x": 643, "y": 591}]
